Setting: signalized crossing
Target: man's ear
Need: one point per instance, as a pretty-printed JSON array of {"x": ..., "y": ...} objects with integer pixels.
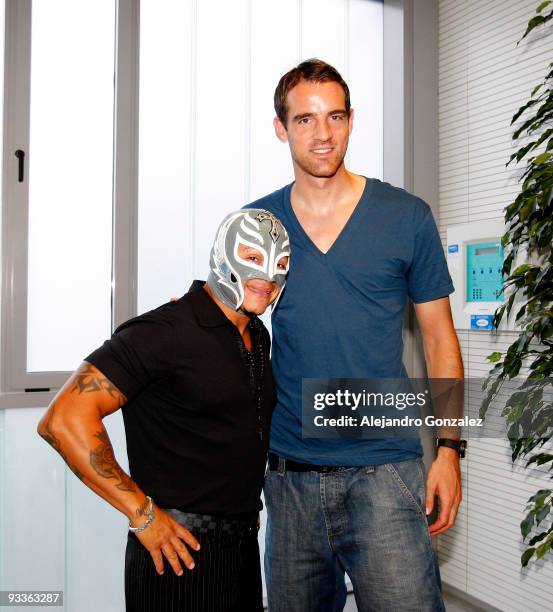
[
  {"x": 350, "y": 120},
  {"x": 280, "y": 130}
]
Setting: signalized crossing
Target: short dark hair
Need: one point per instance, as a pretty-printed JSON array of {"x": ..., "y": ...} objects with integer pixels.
[{"x": 313, "y": 70}]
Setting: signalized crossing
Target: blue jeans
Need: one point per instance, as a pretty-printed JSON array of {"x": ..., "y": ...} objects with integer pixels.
[{"x": 369, "y": 522}]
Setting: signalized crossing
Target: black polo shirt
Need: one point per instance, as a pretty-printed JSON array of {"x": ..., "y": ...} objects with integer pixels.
[{"x": 197, "y": 417}]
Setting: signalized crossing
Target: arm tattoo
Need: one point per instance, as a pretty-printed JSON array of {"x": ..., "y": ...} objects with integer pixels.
[
  {"x": 103, "y": 461},
  {"x": 142, "y": 510},
  {"x": 54, "y": 442},
  {"x": 87, "y": 379},
  {"x": 90, "y": 380}
]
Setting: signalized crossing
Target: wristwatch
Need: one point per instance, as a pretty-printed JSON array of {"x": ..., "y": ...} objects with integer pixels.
[{"x": 459, "y": 445}]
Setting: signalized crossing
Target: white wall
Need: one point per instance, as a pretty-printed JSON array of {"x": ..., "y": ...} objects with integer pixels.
[
  {"x": 207, "y": 144},
  {"x": 483, "y": 79},
  {"x": 208, "y": 73}
]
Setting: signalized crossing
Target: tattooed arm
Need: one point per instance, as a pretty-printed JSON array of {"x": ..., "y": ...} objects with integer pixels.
[{"x": 73, "y": 426}]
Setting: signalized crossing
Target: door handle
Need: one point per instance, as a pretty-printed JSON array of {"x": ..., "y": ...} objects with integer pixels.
[{"x": 21, "y": 165}]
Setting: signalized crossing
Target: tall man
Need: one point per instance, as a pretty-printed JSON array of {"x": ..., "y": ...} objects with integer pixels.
[{"x": 361, "y": 249}]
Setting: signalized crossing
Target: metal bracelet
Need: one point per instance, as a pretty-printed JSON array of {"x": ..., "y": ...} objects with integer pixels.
[{"x": 151, "y": 516}]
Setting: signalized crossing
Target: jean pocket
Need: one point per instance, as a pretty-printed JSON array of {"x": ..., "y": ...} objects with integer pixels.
[
  {"x": 410, "y": 478},
  {"x": 268, "y": 475}
]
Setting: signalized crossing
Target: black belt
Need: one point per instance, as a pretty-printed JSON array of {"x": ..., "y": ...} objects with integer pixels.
[
  {"x": 296, "y": 466},
  {"x": 208, "y": 524}
]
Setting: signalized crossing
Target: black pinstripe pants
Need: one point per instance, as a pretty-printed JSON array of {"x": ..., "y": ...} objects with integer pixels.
[{"x": 226, "y": 577}]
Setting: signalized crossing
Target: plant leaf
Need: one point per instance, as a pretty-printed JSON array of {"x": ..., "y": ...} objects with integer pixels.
[
  {"x": 533, "y": 23},
  {"x": 526, "y": 556},
  {"x": 526, "y": 525},
  {"x": 541, "y": 159},
  {"x": 520, "y": 270},
  {"x": 542, "y": 513},
  {"x": 536, "y": 89},
  {"x": 543, "y": 549},
  {"x": 537, "y": 538}
]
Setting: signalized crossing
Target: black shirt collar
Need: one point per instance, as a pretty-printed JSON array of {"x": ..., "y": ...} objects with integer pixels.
[{"x": 206, "y": 310}]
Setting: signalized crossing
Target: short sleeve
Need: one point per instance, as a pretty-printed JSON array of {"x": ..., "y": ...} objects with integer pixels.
[
  {"x": 140, "y": 351},
  {"x": 428, "y": 277}
]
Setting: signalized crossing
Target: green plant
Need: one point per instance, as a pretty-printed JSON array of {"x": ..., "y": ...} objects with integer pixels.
[{"x": 529, "y": 221}]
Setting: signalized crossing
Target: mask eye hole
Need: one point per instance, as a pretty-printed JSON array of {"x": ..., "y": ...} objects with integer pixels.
[
  {"x": 282, "y": 264},
  {"x": 250, "y": 254},
  {"x": 232, "y": 277}
]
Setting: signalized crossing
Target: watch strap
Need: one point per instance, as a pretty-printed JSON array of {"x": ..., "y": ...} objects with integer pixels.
[{"x": 458, "y": 445}]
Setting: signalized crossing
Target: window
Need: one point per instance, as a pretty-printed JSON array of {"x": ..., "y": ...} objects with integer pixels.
[
  {"x": 69, "y": 177},
  {"x": 60, "y": 169}
]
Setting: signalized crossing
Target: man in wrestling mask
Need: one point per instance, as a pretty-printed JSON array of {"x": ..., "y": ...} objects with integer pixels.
[{"x": 194, "y": 381}]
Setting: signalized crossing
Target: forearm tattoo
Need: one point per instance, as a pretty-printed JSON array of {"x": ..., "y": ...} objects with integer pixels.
[
  {"x": 54, "y": 442},
  {"x": 142, "y": 510},
  {"x": 103, "y": 461},
  {"x": 89, "y": 380}
]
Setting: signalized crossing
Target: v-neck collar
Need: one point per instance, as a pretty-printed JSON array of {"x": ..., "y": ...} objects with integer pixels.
[{"x": 344, "y": 233}]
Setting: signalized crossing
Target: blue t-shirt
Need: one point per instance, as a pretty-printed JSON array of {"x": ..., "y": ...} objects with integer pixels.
[{"x": 341, "y": 313}]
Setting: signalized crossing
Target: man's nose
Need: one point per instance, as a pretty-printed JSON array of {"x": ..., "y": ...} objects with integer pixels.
[{"x": 322, "y": 131}]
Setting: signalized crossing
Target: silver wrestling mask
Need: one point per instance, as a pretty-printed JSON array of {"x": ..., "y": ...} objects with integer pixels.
[{"x": 255, "y": 228}]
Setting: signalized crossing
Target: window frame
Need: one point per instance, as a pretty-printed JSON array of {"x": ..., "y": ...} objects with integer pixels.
[{"x": 16, "y": 384}]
